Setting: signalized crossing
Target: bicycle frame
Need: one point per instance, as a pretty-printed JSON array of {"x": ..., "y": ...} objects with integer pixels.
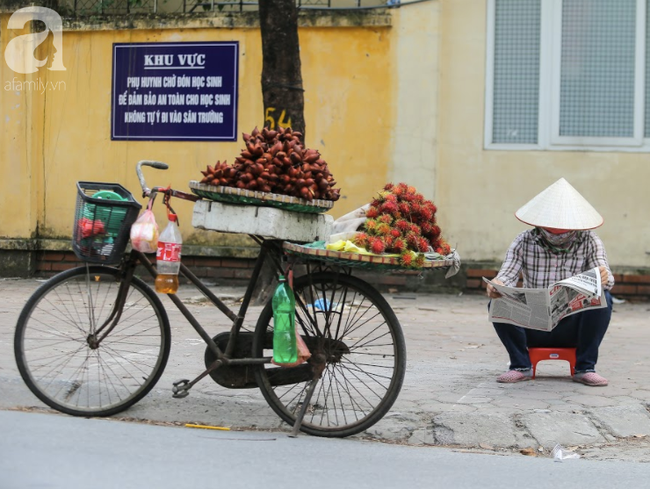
[{"x": 222, "y": 357}]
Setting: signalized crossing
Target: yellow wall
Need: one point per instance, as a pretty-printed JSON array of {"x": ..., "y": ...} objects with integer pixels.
[
  {"x": 349, "y": 103},
  {"x": 416, "y": 30},
  {"x": 21, "y": 195}
]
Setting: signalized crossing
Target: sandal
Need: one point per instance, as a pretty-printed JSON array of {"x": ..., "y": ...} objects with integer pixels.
[
  {"x": 590, "y": 378},
  {"x": 513, "y": 376}
]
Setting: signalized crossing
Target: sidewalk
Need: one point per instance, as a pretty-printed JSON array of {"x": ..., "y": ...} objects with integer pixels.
[{"x": 449, "y": 397}]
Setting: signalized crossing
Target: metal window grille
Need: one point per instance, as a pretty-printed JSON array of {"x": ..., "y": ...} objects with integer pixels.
[
  {"x": 597, "y": 68},
  {"x": 516, "y": 71}
]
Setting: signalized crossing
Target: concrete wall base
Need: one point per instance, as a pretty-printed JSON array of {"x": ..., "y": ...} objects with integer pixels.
[{"x": 630, "y": 284}]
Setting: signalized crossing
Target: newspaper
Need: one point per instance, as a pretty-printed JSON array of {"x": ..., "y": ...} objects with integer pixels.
[{"x": 543, "y": 309}]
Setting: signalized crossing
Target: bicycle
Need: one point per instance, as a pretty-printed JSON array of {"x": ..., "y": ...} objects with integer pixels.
[{"x": 94, "y": 340}]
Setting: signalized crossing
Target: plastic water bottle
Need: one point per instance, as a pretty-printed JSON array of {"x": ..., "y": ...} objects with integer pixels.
[
  {"x": 285, "y": 349},
  {"x": 168, "y": 257}
]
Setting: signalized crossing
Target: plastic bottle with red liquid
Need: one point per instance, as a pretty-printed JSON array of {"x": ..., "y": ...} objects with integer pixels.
[{"x": 168, "y": 257}]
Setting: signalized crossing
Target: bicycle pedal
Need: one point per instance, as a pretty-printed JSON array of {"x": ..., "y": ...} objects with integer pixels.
[{"x": 180, "y": 388}]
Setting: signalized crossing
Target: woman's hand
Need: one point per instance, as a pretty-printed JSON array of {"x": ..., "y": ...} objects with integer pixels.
[
  {"x": 604, "y": 274},
  {"x": 491, "y": 291}
]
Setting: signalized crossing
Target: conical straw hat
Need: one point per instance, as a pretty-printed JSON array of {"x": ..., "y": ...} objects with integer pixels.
[{"x": 560, "y": 206}]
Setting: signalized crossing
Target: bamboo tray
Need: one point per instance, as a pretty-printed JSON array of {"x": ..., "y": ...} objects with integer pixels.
[
  {"x": 348, "y": 259},
  {"x": 232, "y": 195}
]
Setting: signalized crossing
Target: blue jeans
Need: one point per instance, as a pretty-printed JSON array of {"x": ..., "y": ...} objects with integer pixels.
[{"x": 583, "y": 331}]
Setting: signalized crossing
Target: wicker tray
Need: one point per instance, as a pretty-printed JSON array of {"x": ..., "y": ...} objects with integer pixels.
[
  {"x": 375, "y": 262},
  {"x": 232, "y": 195}
]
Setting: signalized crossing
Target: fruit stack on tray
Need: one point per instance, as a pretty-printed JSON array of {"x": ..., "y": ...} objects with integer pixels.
[{"x": 275, "y": 170}]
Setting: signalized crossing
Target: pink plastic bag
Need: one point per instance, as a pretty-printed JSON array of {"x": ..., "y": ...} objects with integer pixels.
[
  {"x": 144, "y": 232},
  {"x": 303, "y": 352}
]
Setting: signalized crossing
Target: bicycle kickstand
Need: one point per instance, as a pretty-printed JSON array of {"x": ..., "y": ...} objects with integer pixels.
[
  {"x": 320, "y": 366},
  {"x": 181, "y": 388}
]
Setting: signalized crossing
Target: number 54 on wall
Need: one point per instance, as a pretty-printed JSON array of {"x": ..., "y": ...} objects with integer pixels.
[{"x": 271, "y": 123}]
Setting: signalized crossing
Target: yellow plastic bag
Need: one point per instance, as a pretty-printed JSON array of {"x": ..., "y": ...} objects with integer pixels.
[
  {"x": 144, "y": 232},
  {"x": 347, "y": 245}
]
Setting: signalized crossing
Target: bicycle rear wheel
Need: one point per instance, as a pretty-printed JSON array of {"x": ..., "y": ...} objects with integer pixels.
[
  {"x": 354, "y": 338},
  {"x": 55, "y": 353}
]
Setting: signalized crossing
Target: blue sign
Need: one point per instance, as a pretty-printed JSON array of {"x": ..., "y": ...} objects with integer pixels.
[{"x": 181, "y": 91}]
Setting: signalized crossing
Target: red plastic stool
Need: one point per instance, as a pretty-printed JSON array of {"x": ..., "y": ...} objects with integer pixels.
[{"x": 539, "y": 354}]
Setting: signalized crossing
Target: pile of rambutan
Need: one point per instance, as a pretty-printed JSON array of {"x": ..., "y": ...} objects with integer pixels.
[{"x": 401, "y": 221}]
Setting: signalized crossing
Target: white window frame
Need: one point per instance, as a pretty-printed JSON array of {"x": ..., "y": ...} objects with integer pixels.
[{"x": 548, "y": 137}]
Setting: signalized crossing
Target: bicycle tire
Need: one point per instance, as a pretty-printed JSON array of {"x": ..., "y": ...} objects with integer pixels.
[
  {"x": 356, "y": 327},
  {"x": 54, "y": 356}
]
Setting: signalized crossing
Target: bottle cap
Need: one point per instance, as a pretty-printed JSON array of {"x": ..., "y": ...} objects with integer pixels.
[
  {"x": 172, "y": 217},
  {"x": 282, "y": 278}
]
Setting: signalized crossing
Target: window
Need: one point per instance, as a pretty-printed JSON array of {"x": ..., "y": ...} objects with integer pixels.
[{"x": 568, "y": 74}]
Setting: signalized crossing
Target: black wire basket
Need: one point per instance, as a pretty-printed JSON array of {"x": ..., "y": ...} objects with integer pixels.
[{"x": 102, "y": 221}]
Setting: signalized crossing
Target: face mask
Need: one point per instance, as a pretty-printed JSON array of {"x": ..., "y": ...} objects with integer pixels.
[{"x": 558, "y": 239}]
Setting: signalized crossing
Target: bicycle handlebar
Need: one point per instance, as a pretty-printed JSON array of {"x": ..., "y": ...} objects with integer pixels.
[{"x": 159, "y": 165}]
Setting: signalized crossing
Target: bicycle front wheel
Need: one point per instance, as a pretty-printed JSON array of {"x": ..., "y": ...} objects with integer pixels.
[
  {"x": 58, "y": 358},
  {"x": 357, "y": 348}
]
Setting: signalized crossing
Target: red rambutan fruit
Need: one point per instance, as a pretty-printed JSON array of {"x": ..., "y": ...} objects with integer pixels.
[
  {"x": 403, "y": 225},
  {"x": 388, "y": 207},
  {"x": 360, "y": 239},
  {"x": 426, "y": 213},
  {"x": 386, "y": 219},
  {"x": 372, "y": 212},
  {"x": 399, "y": 245},
  {"x": 423, "y": 245},
  {"x": 404, "y": 208},
  {"x": 377, "y": 246},
  {"x": 400, "y": 189},
  {"x": 443, "y": 247},
  {"x": 395, "y": 233},
  {"x": 430, "y": 206},
  {"x": 389, "y": 186},
  {"x": 406, "y": 259},
  {"x": 412, "y": 240},
  {"x": 371, "y": 225},
  {"x": 382, "y": 229}
]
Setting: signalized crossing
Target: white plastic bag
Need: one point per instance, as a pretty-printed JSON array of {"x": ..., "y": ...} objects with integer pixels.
[
  {"x": 346, "y": 226},
  {"x": 560, "y": 453},
  {"x": 144, "y": 232}
]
